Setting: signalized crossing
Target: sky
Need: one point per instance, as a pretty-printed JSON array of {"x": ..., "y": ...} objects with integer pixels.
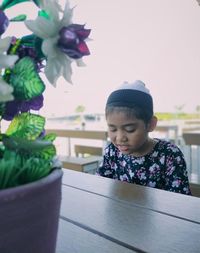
[{"x": 156, "y": 41}]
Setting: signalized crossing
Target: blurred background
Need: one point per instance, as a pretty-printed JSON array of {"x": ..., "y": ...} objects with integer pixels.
[{"x": 156, "y": 41}]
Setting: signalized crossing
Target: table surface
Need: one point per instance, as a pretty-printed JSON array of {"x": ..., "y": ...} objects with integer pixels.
[{"x": 104, "y": 215}]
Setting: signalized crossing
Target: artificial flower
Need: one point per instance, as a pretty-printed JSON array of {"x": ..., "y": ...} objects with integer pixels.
[
  {"x": 72, "y": 41},
  {"x": 4, "y": 22},
  {"x": 5, "y": 91},
  {"x": 54, "y": 43},
  {"x": 13, "y": 108},
  {"x": 52, "y": 7},
  {"x": 50, "y": 29},
  {"x": 5, "y": 62},
  {"x": 5, "y": 59}
]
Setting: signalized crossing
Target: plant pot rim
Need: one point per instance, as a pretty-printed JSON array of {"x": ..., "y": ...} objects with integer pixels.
[{"x": 53, "y": 176}]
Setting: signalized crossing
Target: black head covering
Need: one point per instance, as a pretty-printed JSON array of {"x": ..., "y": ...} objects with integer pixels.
[{"x": 131, "y": 95}]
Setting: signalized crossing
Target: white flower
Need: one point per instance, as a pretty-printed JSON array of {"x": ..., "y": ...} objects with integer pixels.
[
  {"x": 5, "y": 91},
  {"x": 6, "y": 61},
  {"x": 58, "y": 64}
]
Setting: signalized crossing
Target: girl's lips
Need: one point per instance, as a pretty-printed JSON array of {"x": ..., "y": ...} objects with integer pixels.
[{"x": 123, "y": 148}]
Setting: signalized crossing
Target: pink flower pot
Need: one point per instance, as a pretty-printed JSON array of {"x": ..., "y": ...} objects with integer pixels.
[{"x": 29, "y": 216}]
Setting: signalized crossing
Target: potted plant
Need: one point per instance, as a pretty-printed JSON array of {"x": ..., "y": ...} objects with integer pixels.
[{"x": 30, "y": 173}]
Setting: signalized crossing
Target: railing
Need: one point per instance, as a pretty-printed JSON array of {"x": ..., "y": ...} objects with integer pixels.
[
  {"x": 191, "y": 149},
  {"x": 70, "y": 156},
  {"x": 74, "y": 137},
  {"x": 169, "y": 132},
  {"x": 72, "y": 143}
]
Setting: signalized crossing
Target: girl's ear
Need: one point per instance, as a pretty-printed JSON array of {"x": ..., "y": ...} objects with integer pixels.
[{"x": 152, "y": 124}]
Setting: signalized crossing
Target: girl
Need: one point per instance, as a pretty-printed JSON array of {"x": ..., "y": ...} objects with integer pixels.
[{"x": 132, "y": 155}]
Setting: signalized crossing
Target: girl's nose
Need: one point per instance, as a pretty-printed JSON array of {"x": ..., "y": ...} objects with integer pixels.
[{"x": 121, "y": 136}]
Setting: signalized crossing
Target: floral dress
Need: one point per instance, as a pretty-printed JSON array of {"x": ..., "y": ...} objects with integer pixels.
[{"x": 163, "y": 168}]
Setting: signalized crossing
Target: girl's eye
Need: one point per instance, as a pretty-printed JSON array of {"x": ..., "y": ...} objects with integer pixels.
[
  {"x": 112, "y": 129},
  {"x": 130, "y": 130}
]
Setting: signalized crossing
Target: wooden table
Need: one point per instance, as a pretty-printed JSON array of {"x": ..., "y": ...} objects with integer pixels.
[{"x": 103, "y": 215}]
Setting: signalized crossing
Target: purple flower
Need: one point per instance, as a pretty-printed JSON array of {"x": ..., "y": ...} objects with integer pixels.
[
  {"x": 16, "y": 106},
  {"x": 34, "y": 104},
  {"x": 24, "y": 51},
  {"x": 71, "y": 41},
  {"x": 4, "y": 22},
  {"x": 42, "y": 134},
  {"x": 11, "y": 109}
]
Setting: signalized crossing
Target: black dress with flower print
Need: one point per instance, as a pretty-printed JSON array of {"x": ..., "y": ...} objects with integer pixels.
[{"x": 163, "y": 168}]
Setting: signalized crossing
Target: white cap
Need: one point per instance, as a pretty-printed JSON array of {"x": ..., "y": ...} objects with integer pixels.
[
  {"x": 137, "y": 85},
  {"x": 130, "y": 95}
]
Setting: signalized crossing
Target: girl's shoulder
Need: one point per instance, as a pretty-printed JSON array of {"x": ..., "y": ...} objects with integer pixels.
[{"x": 166, "y": 146}]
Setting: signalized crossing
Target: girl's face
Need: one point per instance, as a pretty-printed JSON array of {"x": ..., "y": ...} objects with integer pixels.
[{"x": 129, "y": 135}]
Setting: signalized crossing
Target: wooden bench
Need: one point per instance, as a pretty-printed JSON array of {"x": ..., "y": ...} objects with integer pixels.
[
  {"x": 192, "y": 122},
  {"x": 81, "y": 157},
  {"x": 195, "y": 189},
  {"x": 191, "y": 138},
  {"x": 84, "y": 151}
]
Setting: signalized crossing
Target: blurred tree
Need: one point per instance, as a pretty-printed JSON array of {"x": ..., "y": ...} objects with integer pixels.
[
  {"x": 179, "y": 108},
  {"x": 80, "y": 109}
]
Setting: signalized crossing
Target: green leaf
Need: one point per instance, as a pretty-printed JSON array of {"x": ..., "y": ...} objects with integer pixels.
[
  {"x": 2, "y": 148},
  {"x": 37, "y": 148},
  {"x": 35, "y": 42},
  {"x": 13, "y": 50},
  {"x": 9, "y": 3},
  {"x": 38, "y": 47},
  {"x": 16, "y": 169},
  {"x": 28, "y": 40},
  {"x": 34, "y": 169},
  {"x": 50, "y": 137},
  {"x": 26, "y": 125},
  {"x": 46, "y": 153},
  {"x": 9, "y": 165},
  {"x": 2, "y": 108},
  {"x": 19, "y": 18},
  {"x": 37, "y": 2},
  {"x": 22, "y": 133},
  {"x": 43, "y": 14},
  {"x": 25, "y": 80},
  {"x": 24, "y": 145}
]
